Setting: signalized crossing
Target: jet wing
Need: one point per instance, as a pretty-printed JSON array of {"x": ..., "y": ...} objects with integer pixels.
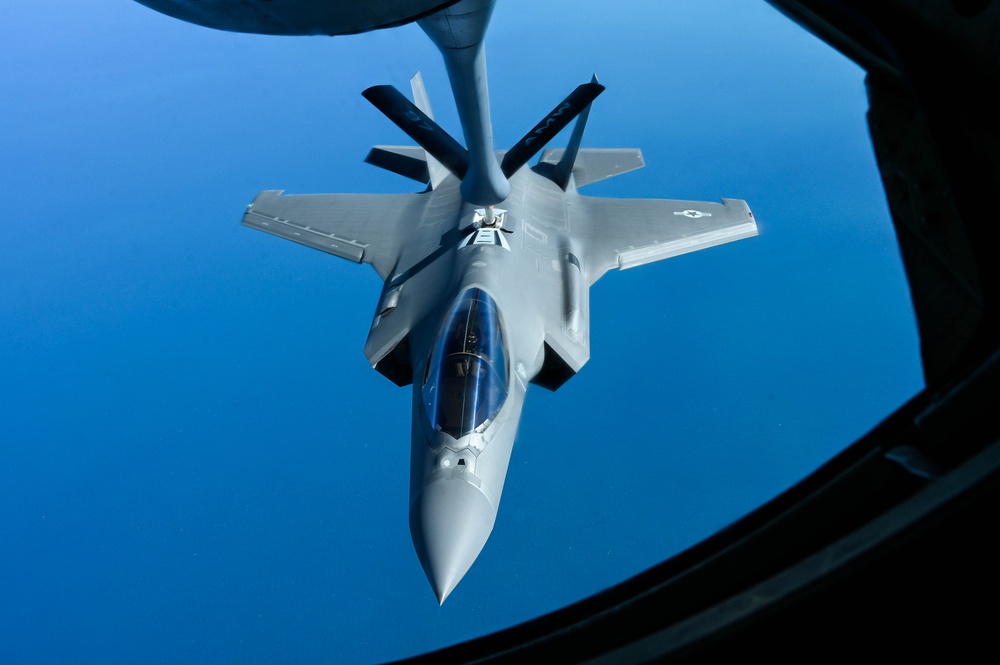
[
  {"x": 625, "y": 233},
  {"x": 364, "y": 228}
]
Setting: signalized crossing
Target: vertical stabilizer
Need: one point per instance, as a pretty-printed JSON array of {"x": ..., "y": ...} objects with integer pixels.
[
  {"x": 564, "y": 169},
  {"x": 436, "y": 169}
]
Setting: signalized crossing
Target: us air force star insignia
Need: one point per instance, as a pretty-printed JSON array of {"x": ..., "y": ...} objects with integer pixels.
[{"x": 693, "y": 214}]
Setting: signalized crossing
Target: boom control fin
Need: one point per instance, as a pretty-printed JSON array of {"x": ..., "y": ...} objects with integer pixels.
[
  {"x": 551, "y": 125},
  {"x": 419, "y": 127}
]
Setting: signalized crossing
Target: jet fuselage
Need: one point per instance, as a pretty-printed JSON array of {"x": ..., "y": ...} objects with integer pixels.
[
  {"x": 487, "y": 275},
  {"x": 472, "y": 309},
  {"x": 474, "y": 352}
]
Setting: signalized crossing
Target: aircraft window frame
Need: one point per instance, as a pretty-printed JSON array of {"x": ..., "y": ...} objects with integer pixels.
[{"x": 467, "y": 379}]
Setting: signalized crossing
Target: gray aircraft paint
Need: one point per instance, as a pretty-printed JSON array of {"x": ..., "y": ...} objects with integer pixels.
[{"x": 555, "y": 244}]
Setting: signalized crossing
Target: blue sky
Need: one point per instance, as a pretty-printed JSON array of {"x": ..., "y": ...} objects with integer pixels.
[{"x": 197, "y": 463}]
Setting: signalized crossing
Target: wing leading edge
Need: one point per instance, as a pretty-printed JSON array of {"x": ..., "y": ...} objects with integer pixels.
[
  {"x": 626, "y": 233},
  {"x": 364, "y": 228}
]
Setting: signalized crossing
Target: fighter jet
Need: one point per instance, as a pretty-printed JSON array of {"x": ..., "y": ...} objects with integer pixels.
[{"x": 486, "y": 275}]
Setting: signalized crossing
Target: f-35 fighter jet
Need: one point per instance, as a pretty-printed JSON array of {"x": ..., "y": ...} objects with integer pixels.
[{"x": 487, "y": 275}]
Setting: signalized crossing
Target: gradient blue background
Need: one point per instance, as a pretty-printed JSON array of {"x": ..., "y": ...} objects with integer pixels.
[{"x": 197, "y": 463}]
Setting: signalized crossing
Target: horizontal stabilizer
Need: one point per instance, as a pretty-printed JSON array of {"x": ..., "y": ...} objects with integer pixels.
[
  {"x": 407, "y": 161},
  {"x": 596, "y": 164},
  {"x": 419, "y": 127},
  {"x": 547, "y": 129}
]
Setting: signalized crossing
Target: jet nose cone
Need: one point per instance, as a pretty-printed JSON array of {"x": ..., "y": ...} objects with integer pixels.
[{"x": 450, "y": 522}]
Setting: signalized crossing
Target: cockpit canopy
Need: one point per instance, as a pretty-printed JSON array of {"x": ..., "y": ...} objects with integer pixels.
[{"x": 466, "y": 380}]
